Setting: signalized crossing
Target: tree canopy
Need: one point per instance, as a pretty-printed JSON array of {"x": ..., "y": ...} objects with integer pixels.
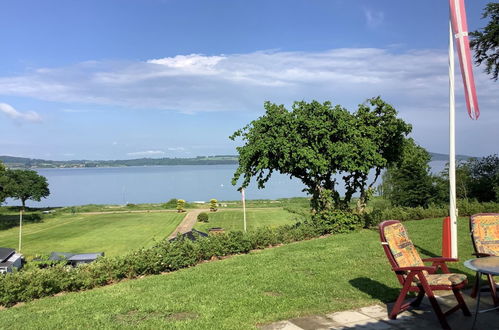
[
  {"x": 409, "y": 182},
  {"x": 26, "y": 185},
  {"x": 316, "y": 141},
  {"x": 485, "y": 43}
]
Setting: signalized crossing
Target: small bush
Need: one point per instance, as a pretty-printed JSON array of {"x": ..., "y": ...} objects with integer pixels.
[
  {"x": 203, "y": 217},
  {"x": 180, "y": 205},
  {"x": 213, "y": 205},
  {"x": 171, "y": 204}
]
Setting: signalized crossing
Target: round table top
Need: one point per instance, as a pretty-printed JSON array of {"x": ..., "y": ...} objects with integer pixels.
[{"x": 485, "y": 265}]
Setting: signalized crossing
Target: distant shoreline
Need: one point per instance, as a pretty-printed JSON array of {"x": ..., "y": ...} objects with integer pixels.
[{"x": 22, "y": 162}]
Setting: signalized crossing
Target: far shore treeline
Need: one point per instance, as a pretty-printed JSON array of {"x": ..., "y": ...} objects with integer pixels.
[{"x": 22, "y": 162}]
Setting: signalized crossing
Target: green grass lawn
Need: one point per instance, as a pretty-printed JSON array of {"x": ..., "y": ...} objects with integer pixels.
[
  {"x": 110, "y": 233},
  {"x": 323, "y": 275},
  {"x": 233, "y": 219}
]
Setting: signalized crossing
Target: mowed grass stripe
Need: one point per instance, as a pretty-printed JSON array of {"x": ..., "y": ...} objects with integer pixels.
[
  {"x": 233, "y": 219},
  {"x": 318, "y": 276},
  {"x": 113, "y": 234}
]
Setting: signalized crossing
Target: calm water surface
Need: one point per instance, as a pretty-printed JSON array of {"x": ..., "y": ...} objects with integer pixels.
[{"x": 156, "y": 184}]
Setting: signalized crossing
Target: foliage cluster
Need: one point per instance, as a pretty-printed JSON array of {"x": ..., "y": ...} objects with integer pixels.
[
  {"x": 165, "y": 256},
  {"x": 203, "y": 217},
  {"x": 213, "y": 205},
  {"x": 314, "y": 142},
  {"x": 22, "y": 185},
  {"x": 485, "y": 43},
  {"x": 180, "y": 205},
  {"x": 403, "y": 213},
  {"x": 409, "y": 182},
  {"x": 478, "y": 178}
]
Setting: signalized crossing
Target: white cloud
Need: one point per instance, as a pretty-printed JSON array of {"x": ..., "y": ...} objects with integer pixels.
[
  {"x": 12, "y": 113},
  {"x": 146, "y": 153},
  {"x": 373, "y": 18},
  {"x": 176, "y": 149},
  {"x": 415, "y": 82}
]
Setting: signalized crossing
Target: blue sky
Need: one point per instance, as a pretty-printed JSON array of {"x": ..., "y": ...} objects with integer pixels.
[{"x": 165, "y": 78}]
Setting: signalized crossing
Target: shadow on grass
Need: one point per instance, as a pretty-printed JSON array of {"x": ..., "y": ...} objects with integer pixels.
[
  {"x": 375, "y": 289},
  {"x": 8, "y": 221},
  {"x": 426, "y": 252}
]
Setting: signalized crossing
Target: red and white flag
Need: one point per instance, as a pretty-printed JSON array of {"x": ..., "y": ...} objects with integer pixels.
[{"x": 460, "y": 29}]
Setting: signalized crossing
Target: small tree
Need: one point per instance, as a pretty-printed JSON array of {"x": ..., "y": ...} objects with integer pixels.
[
  {"x": 213, "y": 205},
  {"x": 25, "y": 185},
  {"x": 203, "y": 217},
  {"x": 410, "y": 183},
  {"x": 485, "y": 43},
  {"x": 180, "y": 205}
]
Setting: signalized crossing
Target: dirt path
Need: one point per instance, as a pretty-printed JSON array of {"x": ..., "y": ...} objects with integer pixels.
[{"x": 188, "y": 222}]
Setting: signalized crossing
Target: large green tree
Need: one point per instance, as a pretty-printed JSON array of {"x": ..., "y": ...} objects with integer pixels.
[
  {"x": 409, "y": 182},
  {"x": 485, "y": 42},
  {"x": 26, "y": 185},
  {"x": 315, "y": 141}
]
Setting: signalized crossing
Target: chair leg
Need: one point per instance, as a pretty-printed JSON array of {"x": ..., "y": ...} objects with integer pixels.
[
  {"x": 434, "y": 304},
  {"x": 397, "y": 307},
  {"x": 462, "y": 303},
  {"x": 416, "y": 302},
  {"x": 493, "y": 290}
]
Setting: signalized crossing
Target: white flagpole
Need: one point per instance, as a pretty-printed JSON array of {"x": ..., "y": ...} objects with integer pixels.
[
  {"x": 452, "y": 148},
  {"x": 244, "y": 209},
  {"x": 20, "y": 228}
]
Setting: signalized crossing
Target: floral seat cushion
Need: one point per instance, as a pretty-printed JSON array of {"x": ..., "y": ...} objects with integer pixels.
[
  {"x": 401, "y": 246},
  {"x": 485, "y": 230},
  {"x": 444, "y": 279}
]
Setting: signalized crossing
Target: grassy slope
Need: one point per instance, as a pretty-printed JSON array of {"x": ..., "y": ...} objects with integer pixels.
[
  {"x": 233, "y": 219},
  {"x": 110, "y": 233},
  {"x": 323, "y": 275}
]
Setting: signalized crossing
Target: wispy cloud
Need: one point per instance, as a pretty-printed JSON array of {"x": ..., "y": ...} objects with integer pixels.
[
  {"x": 176, "y": 149},
  {"x": 146, "y": 153},
  {"x": 374, "y": 18},
  {"x": 12, "y": 113},
  {"x": 238, "y": 82},
  {"x": 415, "y": 82}
]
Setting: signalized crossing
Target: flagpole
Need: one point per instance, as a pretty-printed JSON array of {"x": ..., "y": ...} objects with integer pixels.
[
  {"x": 244, "y": 209},
  {"x": 452, "y": 148}
]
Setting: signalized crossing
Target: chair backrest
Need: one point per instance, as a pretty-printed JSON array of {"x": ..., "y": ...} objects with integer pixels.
[
  {"x": 398, "y": 247},
  {"x": 484, "y": 228}
]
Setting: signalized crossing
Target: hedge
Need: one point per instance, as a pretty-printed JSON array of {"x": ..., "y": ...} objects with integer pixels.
[{"x": 33, "y": 282}]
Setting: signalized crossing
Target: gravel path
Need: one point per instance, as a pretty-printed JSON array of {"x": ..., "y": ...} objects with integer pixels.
[{"x": 188, "y": 222}]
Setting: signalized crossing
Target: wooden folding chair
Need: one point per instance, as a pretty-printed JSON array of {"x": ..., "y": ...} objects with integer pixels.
[
  {"x": 415, "y": 276},
  {"x": 484, "y": 230}
]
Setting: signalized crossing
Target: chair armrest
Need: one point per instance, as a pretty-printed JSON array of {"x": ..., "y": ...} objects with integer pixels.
[
  {"x": 479, "y": 254},
  {"x": 440, "y": 259}
]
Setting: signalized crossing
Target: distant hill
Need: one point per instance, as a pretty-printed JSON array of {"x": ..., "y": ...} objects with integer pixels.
[
  {"x": 21, "y": 162},
  {"x": 441, "y": 157}
]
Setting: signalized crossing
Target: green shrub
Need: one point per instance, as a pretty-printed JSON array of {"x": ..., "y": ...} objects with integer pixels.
[
  {"x": 213, "y": 205},
  {"x": 337, "y": 221},
  {"x": 203, "y": 217},
  {"x": 33, "y": 282},
  {"x": 180, "y": 205},
  {"x": 171, "y": 204}
]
